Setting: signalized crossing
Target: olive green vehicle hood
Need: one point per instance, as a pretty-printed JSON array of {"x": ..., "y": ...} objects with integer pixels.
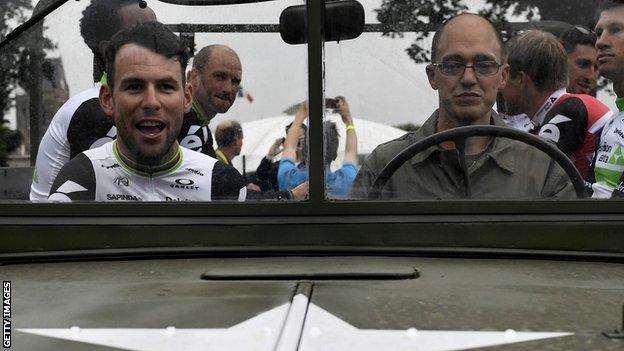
[{"x": 315, "y": 303}]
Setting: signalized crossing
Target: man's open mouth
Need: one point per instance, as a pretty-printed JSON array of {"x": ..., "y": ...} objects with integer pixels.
[{"x": 150, "y": 127}]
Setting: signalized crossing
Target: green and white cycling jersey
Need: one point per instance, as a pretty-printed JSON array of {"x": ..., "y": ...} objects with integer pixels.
[
  {"x": 609, "y": 161},
  {"x": 101, "y": 174}
]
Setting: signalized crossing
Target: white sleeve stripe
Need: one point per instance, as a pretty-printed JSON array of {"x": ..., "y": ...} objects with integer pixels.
[
  {"x": 600, "y": 122},
  {"x": 70, "y": 187}
]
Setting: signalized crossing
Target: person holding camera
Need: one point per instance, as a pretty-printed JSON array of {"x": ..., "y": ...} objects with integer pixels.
[
  {"x": 338, "y": 183},
  {"x": 266, "y": 173}
]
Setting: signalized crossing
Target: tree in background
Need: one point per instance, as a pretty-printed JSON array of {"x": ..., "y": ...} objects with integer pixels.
[
  {"x": 9, "y": 141},
  {"x": 15, "y": 61},
  {"x": 422, "y": 12}
]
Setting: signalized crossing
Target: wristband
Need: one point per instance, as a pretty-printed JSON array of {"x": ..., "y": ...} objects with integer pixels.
[{"x": 350, "y": 127}]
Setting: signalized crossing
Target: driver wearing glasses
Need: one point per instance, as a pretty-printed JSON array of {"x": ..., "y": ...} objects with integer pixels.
[{"x": 467, "y": 71}]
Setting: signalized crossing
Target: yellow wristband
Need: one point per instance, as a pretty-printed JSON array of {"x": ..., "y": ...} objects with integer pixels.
[{"x": 350, "y": 127}]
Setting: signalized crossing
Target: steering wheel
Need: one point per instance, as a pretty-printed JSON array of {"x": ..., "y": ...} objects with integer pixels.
[{"x": 458, "y": 136}]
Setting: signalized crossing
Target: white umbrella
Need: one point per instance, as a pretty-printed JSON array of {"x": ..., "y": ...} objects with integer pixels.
[{"x": 260, "y": 134}]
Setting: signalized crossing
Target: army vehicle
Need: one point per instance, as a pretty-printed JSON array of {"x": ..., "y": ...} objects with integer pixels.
[{"x": 319, "y": 274}]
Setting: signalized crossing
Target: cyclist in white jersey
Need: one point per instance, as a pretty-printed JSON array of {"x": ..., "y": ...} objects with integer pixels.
[
  {"x": 104, "y": 174},
  {"x": 608, "y": 167},
  {"x": 147, "y": 97},
  {"x": 81, "y": 124}
]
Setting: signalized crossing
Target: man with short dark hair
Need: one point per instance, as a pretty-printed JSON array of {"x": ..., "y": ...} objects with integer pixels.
[
  {"x": 468, "y": 68},
  {"x": 536, "y": 93},
  {"x": 147, "y": 97},
  {"x": 216, "y": 76},
  {"x": 103, "y": 18},
  {"x": 580, "y": 44},
  {"x": 609, "y": 160},
  {"x": 81, "y": 124},
  {"x": 229, "y": 137}
]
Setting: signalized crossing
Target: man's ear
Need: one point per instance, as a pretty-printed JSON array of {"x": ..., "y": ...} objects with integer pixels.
[
  {"x": 188, "y": 97},
  {"x": 430, "y": 70},
  {"x": 106, "y": 99},
  {"x": 504, "y": 76},
  {"x": 193, "y": 77}
]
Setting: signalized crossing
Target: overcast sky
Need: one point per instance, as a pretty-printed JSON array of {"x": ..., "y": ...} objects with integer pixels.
[{"x": 375, "y": 74}]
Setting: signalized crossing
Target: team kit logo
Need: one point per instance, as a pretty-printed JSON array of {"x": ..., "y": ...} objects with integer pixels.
[
  {"x": 195, "y": 171},
  {"x": 121, "y": 181},
  {"x": 195, "y": 138},
  {"x": 551, "y": 130},
  {"x": 113, "y": 166},
  {"x": 184, "y": 183},
  {"x": 122, "y": 197}
]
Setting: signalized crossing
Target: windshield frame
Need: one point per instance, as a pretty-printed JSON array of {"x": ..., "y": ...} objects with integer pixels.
[{"x": 539, "y": 225}]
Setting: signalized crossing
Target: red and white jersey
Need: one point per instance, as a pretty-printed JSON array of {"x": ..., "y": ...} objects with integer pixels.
[{"x": 574, "y": 123}]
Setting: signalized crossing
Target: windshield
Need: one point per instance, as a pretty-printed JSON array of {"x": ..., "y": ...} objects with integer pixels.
[
  {"x": 378, "y": 87},
  {"x": 237, "y": 112},
  {"x": 371, "y": 174},
  {"x": 312, "y": 125}
]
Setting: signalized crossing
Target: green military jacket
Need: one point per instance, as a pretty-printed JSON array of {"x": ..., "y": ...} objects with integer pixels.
[{"x": 508, "y": 169}]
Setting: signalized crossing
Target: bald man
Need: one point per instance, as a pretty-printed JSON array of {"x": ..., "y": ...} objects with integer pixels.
[
  {"x": 216, "y": 76},
  {"x": 467, "y": 70},
  {"x": 229, "y": 136}
]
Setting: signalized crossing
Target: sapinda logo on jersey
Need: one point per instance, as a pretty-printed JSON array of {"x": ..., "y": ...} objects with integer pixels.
[{"x": 122, "y": 197}]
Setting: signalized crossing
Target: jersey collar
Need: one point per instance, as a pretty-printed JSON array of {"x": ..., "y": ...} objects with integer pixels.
[
  {"x": 104, "y": 79},
  {"x": 201, "y": 115},
  {"x": 221, "y": 156},
  {"x": 147, "y": 171},
  {"x": 619, "y": 102},
  {"x": 539, "y": 116}
]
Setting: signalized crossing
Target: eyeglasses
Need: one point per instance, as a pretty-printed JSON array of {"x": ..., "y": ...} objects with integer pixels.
[{"x": 456, "y": 68}]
